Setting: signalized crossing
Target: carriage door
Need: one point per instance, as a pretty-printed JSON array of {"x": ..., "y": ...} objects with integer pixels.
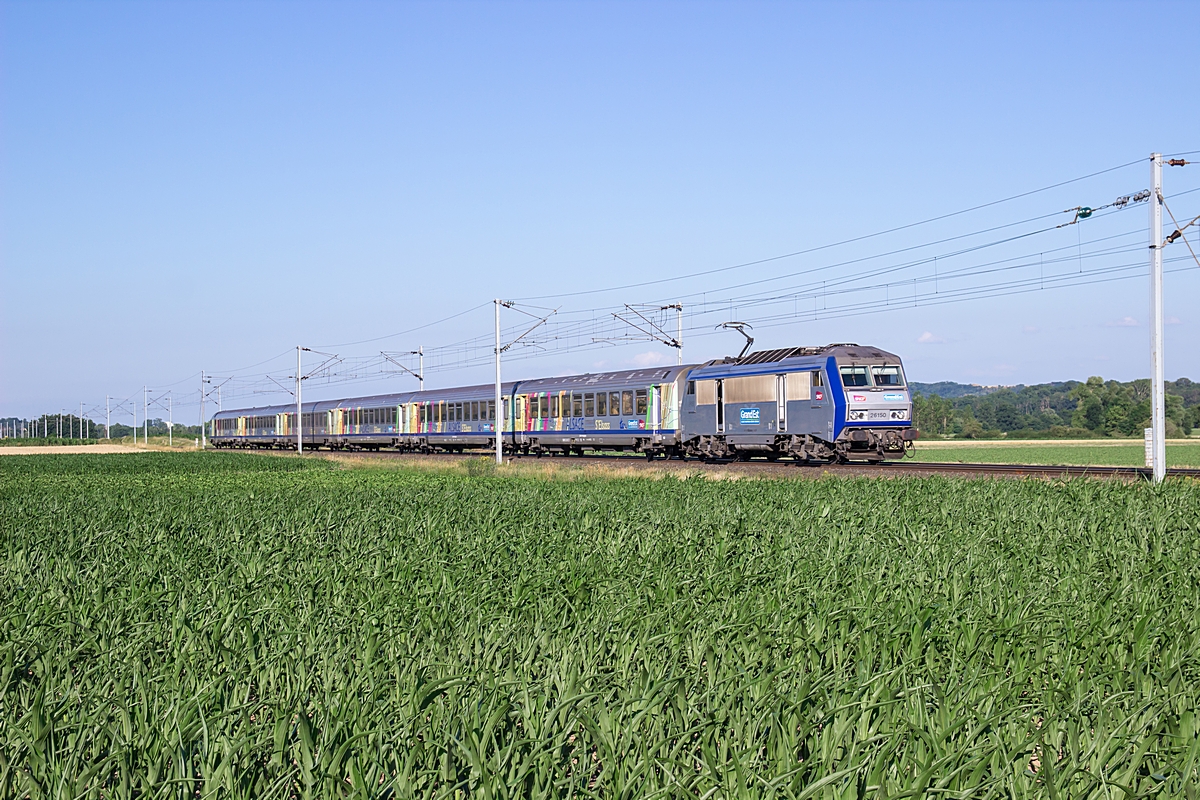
[
  {"x": 720, "y": 406},
  {"x": 781, "y": 401}
]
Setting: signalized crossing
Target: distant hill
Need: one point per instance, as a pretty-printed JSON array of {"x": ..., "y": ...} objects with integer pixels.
[
  {"x": 952, "y": 390},
  {"x": 1062, "y": 409}
]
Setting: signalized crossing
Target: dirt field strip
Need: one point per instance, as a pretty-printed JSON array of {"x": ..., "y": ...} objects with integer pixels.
[{"x": 66, "y": 449}]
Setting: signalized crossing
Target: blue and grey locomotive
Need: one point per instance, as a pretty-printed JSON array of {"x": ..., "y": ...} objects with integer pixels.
[{"x": 838, "y": 402}]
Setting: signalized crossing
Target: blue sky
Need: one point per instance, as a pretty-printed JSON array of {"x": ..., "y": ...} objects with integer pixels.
[{"x": 205, "y": 185}]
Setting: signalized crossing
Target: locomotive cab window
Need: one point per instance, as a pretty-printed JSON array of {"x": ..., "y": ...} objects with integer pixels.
[
  {"x": 854, "y": 376},
  {"x": 888, "y": 375}
]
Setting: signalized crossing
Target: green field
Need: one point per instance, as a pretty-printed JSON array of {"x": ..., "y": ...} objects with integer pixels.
[
  {"x": 223, "y": 625},
  {"x": 1087, "y": 453}
]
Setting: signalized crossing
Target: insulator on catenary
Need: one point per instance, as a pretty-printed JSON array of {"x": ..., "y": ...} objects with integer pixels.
[{"x": 1174, "y": 236}]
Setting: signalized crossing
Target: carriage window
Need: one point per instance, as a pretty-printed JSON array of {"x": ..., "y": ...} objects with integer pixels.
[
  {"x": 589, "y": 405},
  {"x": 854, "y": 376},
  {"x": 474, "y": 411},
  {"x": 601, "y": 404},
  {"x": 491, "y": 409},
  {"x": 641, "y": 402},
  {"x": 554, "y": 406},
  {"x": 627, "y": 403},
  {"x": 505, "y": 408},
  {"x": 576, "y": 405},
  {"x": 887, "y": 375},
  {"x": 614, "y": 404}
]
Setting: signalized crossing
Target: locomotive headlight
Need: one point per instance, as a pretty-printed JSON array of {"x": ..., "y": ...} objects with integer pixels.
[
  {"x": 856, "y": 415},
  {"x": 900, "y": 413}
]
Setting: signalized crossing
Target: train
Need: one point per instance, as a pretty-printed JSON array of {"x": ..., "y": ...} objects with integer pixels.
[{"x": 840, "y": 402}]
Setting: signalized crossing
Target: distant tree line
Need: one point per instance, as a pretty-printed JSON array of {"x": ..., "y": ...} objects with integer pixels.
[
  {"x": 68, "y": 426},
  {"x": 1069, "y": 409}
]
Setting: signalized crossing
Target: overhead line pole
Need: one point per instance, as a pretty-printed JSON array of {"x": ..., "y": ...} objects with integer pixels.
[
  {"x": 679, "y": 333},
  {"x": 499, "y": 400},
  {"x": 203, "y": 427},
  {"x": 299, "y": 409},
  {"x": 1158, "y": 425}
]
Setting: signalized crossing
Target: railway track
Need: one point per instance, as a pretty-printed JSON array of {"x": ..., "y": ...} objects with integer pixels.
[{"x": 885, "y": 468}]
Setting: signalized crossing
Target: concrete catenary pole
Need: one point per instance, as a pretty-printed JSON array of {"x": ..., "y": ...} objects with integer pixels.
[
  {"x": 299, "y": 409},
  {"x": 499, "y": 426},
  {"x": 170, "y": 419},
  {"x": 203, "y": 427},
  {"x": 1158, "y": 417},
  {"x": 146, "y": 414},
  {"x": 679, "y": 333},
  {"x": 107, "y": 418}
]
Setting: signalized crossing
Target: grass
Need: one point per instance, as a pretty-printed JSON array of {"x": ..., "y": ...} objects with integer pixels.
[
  {"x": 226, "y": 625},
  {"x": 1088, "y": 453}
]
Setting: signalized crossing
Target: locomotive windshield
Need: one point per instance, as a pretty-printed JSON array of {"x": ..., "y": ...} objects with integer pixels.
[
  {"x": 854, "y": 376},
  {"x": 888, "y": 375}
]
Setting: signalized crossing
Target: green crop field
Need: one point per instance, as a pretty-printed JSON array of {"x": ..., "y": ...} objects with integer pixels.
[
  {"x": 234, "y": 626},
  {"x": 1087, "y": 453}
]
